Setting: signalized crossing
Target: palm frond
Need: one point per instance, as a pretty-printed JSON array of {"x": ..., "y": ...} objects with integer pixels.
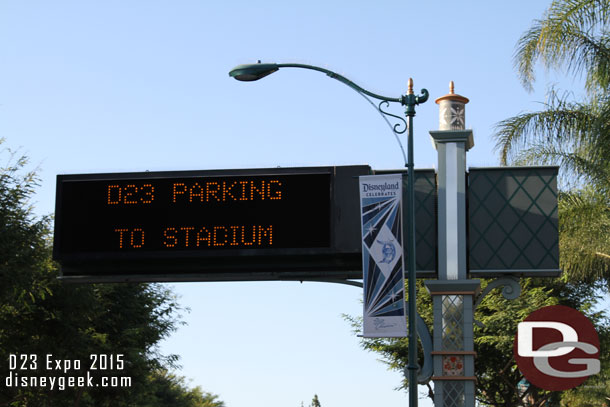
[
  {"x": 584, "y": 241},
  {"x": 572, "y": 33},
  {"x": 598, "y": 76},
  {"x": 561, "y": 121},
  {"x": 577, "y": 168}
]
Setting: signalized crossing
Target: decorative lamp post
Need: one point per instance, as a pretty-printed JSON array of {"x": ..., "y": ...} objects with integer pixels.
[
  {"x": 253, "y": 72},
  {"x": 453, "y": 293}
]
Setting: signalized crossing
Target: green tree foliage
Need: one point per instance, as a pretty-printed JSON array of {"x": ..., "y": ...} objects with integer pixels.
[
  {"x": 40, "y": 315},
  {"x": 315, "y": 402},
  {"x": 497, "y": 374},
  {"x": 573, "y": 35},
  {"x": 171, "y": 390},
  {"x": 584, "y": 241}
]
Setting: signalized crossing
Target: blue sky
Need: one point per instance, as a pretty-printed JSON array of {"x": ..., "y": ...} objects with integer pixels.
[{"x": 116, "y": 86}]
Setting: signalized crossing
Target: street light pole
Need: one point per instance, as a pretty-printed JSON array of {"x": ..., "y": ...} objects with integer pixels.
[
  {"x": 253, "y": 72},
  {"x": 412, "y": 366}
]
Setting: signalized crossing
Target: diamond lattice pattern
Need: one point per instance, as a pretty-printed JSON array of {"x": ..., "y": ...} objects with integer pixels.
[
  {"x": 453, "y": 393},
  {"x": 453, "y": 322},
  {"x": 513, "y": 221}
]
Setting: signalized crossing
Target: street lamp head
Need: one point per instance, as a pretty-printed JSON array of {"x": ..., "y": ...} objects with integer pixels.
[{"x": 252, "y": 72}]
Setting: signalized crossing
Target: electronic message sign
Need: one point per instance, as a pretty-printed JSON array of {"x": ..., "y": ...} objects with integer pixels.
[{"x": 280, "y": 223}]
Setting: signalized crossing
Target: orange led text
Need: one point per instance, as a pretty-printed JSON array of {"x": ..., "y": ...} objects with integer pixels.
[
  {"x": 224, "y": 191},
  {"x": 130, "y": 194},
  {"x": 130, "y": 238},
  {"x": 218, "y": 236}
]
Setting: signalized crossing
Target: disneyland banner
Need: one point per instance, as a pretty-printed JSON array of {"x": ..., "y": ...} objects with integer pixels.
[{"x": 382, "y": 256}]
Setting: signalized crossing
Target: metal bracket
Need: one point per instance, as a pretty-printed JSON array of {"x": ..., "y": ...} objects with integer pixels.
[
  {"x": 426, "y": 371},
  {"x": 397, "y": 127},
  {"x": 511, "y": 291}
]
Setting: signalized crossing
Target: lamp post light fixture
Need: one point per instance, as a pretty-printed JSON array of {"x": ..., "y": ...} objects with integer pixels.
[{"x": 254, "y": 72}]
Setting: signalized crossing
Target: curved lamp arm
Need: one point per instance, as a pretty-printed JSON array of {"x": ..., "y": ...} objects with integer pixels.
[
  {"x": 254, "y": 72},
  {"x": 340, "y": 78}
]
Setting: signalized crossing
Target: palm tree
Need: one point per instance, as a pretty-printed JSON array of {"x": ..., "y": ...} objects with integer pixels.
[{"x": 574, "y": 35}]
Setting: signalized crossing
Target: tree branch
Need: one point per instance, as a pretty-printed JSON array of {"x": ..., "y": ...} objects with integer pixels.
[{"x": 430, "y": 391}]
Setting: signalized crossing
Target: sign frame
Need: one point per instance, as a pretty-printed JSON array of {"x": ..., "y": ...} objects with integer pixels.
[{"x": 341, "y": 260}]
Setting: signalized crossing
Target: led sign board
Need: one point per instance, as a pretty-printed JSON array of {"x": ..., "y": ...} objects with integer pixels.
[
  {"x": 209, "y": 225},
  {"x": 205, "y": 213}
]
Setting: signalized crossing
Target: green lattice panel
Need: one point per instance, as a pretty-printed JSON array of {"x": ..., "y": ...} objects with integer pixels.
[
  {"x": 425, "y": 219},
  {"x": 513, "y": 223}
]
